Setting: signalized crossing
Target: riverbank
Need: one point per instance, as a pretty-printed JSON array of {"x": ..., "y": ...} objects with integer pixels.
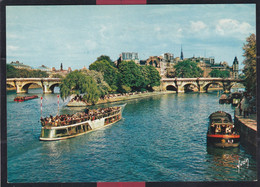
[
  {"x": 130, "y": 97},
  {"x": 248, "y": 129}
]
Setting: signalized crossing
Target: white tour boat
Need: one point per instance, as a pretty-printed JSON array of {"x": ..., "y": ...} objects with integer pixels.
[{"x": 68, "y": 126}]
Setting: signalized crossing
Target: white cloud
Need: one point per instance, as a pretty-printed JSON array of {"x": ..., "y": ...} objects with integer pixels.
[
  {"x": 231, "y": 26},
  {"x": 198, "y": 26}
]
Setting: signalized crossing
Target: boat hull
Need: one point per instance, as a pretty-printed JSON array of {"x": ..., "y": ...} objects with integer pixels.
[
  {"x": 223, "y": 141},
  {"x": 77, "y": 129},
  {"x": 21, "y": 99}
]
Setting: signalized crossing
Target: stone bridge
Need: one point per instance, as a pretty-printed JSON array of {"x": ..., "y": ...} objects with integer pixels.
[
  {"x": 22, "y": 84},
  {"x": 198, "y": 84}
]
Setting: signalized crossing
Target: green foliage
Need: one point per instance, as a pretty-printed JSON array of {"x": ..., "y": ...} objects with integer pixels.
[
  {"x": 250, "y": 64},
  {"x": 56, "y": 76},
  {"x": 103, "y": 87},
  {"x": 110, "y": 73},
  {"x": 219, "y": 73},
  {"x": 12, "y": 72},
  {"x": 131, "y": 75},
  {"x": 187, "y": 69},
  {"x": 151, "y": 76},
  {"x": 128, "y": 77},
  {"x": 106, "y": 58},
  {"x": 77, "y": 82},
  {"x": 113, "y": 89},
  {"x": 125, "y": 89}
]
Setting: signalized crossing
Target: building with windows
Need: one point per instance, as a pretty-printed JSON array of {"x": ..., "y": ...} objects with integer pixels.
[
  {"x": 19, "y": 65},
  {"x": 128, "y": 56}
]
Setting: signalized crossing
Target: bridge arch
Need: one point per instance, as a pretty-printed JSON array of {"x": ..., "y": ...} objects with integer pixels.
[
  {"x": 171, "y": 88},
  {"x": 190, "y": 87},
  {"x": 237, "y": 85},
  {"x": 25, "y": 87},
  {"x": 10, "y": 85},
  {"x": 52, "y": 86},
  {"x": 207, "y": 85}
]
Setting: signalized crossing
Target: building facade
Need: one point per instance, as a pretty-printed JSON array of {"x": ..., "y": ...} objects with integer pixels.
[{"x": 128, "y": 56}]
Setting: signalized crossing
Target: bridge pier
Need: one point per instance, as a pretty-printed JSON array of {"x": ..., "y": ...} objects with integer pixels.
[
  {"x": 46, "y": 88},
  {"x": 22, "y": 84},
  {"x": 20, "y": 88}
]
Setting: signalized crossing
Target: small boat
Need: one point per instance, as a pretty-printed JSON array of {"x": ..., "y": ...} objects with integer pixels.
[
  {"x": 223, "y": 99},
  {"x": 222, "y": 131},
  {"x": 235, "y": 98},
  {"x": 25, "y": 98},
  {"x": 69, "y": 126}
]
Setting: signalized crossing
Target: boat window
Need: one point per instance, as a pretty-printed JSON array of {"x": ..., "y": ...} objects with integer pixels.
[
  {"x": 45, "y": 133},
  {"x": 61, "y": 132}
]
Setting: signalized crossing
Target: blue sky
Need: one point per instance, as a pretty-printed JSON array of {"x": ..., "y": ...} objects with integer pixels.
[{"x": 77, "y": 35}]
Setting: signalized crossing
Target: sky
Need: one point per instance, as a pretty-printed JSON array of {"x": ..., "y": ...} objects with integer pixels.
[{"x": 76, "y": 35}]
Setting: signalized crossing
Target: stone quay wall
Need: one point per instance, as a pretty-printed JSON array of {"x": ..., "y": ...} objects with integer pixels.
[{"x": 248, "y": 130}]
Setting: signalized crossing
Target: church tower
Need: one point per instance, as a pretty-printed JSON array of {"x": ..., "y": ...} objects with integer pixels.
[
  {"x": 235, "y": 68},
  {"x": 181, "y": 57}
]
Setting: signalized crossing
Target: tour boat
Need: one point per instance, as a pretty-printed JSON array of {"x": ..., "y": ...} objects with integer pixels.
[
  {"x": 69, "y": 126},
  {"x": 223, "y": 99},
  {"x": 222, "y": 131},
  {"x": 25, "y": 98}
]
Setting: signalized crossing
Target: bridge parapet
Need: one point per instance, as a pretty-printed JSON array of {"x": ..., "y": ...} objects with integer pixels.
[
  {"x": 201, "y": 83},
  {"x": 22, "y": 84}
]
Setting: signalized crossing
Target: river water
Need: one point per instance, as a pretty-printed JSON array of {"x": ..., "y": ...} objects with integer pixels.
[{"x": 161, "y": 138}]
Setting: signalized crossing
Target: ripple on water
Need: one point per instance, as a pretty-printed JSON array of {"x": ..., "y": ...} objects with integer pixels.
[{"x": 161, "y": 138}]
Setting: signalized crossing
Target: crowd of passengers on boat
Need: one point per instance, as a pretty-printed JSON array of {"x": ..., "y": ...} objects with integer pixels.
[{"x": 67, "y": 119}]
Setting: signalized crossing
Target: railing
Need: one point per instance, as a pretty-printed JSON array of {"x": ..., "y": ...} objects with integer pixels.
[{"x": 66, "y": 122}]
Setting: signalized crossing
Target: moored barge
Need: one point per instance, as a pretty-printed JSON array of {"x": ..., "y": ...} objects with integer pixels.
[
  {"x": 69, "y": 126},
  {"x": 222, "y": 131},
  {"x": 25, "y": 98}
]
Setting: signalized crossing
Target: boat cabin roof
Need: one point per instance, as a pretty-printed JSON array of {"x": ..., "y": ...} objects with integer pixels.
[{"x": 220, "y": 117}]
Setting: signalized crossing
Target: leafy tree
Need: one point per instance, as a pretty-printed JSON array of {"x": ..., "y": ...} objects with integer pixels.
[
  {"x": 151, "y": 76},
  {"x": 219, "y": 73},
  {"x": 131, "y": 75},
  {"x": 56, "y": 76},
  {"x": 187, "y": 69},
  {"x": 12, "y": 72},
  {"x": 77, "y": 82},
  {"x": 103, "y": 87},
  {"x": 106, "y": 58},
  {"x": 250, "y": 64},
  {"x": 110, "y": 73}
]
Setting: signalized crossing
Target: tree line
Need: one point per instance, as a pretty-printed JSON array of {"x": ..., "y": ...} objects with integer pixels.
[
  {"x": 12, "y": 72},
  {"x": 105, "y": 77}
]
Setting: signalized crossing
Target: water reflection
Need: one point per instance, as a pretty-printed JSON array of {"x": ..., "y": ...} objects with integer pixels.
[{"x": 224, "y": 157}]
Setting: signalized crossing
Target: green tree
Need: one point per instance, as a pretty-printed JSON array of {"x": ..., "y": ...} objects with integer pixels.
[
  {"x": 103, "y": 87},
  {"x": 12, "y": 72},
  {"x": 151, "y": 77},
  {"x": 187, "y": 69},
  {"x": 110, "y": 73},
  {"x": 131, "y": 75},
  {"x": 250, "y": 64},
  {"x": 77, "y": 82},
  {"x": 219, "y": 73},
  {"x": 106, "y": 58}
]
